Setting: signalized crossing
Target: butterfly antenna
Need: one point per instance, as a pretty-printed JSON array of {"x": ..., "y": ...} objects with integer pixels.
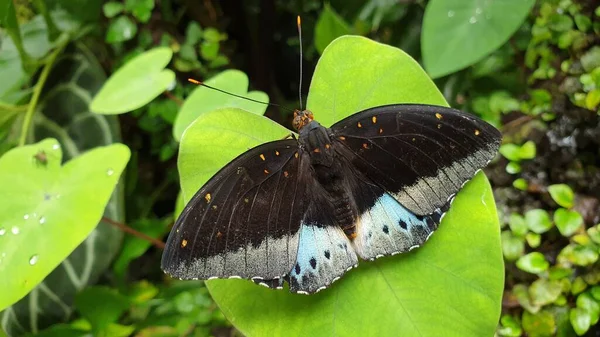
[
  {"x": 299, "y": 24},
  {"x": 191, "y": 80}
]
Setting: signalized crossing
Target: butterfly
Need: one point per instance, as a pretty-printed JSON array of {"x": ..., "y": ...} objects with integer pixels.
[{"x": 304, "y": 210}]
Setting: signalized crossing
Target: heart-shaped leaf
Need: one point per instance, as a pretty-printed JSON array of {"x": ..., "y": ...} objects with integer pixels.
[
  {"x": 135, "y": 84},
  {"x": 203, "y": 100},
  {"x": 62, "y": 114},
  {"x": 461, "y": 265},
  {"x": 458, "y": 33},
  {"x": 48, "y": 210}
]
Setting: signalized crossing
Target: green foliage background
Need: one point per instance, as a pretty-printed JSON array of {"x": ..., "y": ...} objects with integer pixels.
[{"x": 89, "y": 263}]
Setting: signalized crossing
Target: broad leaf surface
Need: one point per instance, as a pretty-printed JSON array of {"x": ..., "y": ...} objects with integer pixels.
[
  {"x": 136, "y": 83},
  {"x": 452, "y": 286},
  {"x": 64, "y": 114},
  {"x": 48, "y": 210},
  {"x": 458, "y": 33},
  {"x": 203, "y": 100}
]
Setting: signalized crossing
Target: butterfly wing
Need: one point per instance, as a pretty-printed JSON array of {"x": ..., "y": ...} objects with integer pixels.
[
  {"x": 409, "y": 162},
  {"x": 324, "y": 251},
  {"x": 420, "y": 154},
  {"x": 244, "y": 222}
]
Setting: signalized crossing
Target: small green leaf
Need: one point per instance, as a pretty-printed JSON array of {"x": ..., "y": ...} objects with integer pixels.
[
  {"x": 458, "y": 33},
  {"x": 520, "y": 184},
  {"x": 562, "y": 194},
  {"x": 591, "y": 59},
  {"x": 533, "y": 239},
  {"x": 54, "y": 204},
  {"x": 209, "y": 50},
  {"x": 586, "y": 301},
  {"x": 517, "y": 224},
  {"x": 112, "y": 8},
  {"x": 329, "y": 26},
  {"x": 193, "y": 33},
  {"x": 203, "y": 100},
  {"x": 538, "y": 220},
  {"x": 592, "y": 99},
  {"x": 521, "y": 292},
  {"x": 121, "y": 29},
  {"x": 583, "y": 22},
  {"x": 513, "y": 167},
  {"x": 527, "y": 150},
  {"x": 510, "y": 327},
  {"x": 141, "y": 9},
  {"x": 510, "y": 151},
  {"x": 539, "y": 324},
  {"x": 136, "y": 83},
  {"x": 544, "y": 292},
  {"x": 580, "y": 320},
  {"x": 557, "y": 273},
  {"x": 533, "y": 263},
  {"x": 594, "y": 234},
  {"x": 595, "y": 291},
  {"x": 567, "y": 221},
  {"x": 101, "y": 306},
  {"x": 579, "y": 255},
  {"x": 578, "y": 285},
  {"x": 560, "y": 22},
  {"x": 513, "y": 247}
]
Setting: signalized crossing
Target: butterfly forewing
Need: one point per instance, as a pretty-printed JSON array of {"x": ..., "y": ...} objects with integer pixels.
[
  {"x": 420, "y": 154},
  {"x": 244, "y": 222}
]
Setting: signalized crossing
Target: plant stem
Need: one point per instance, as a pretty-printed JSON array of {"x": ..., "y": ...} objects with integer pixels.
[
  {"x": 157, "y": 243},
  {"x": 39, "y": 86}
]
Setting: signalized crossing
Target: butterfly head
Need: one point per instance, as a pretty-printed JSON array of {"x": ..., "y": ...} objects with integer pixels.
[{"x": 302, "y": 118}]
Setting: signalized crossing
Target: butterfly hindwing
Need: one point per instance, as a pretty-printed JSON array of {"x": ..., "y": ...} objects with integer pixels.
[
  {"x": 420, "y": 154},
  {"x": 324, "y": 251},
  {"x": 385, "y": 227},
  {"x": 245, "y": 221}
]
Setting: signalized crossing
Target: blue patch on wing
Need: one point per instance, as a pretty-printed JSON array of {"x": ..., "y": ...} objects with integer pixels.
[
  {"x": 324, "y": 255},
  {"x": 388, "y": 228}
]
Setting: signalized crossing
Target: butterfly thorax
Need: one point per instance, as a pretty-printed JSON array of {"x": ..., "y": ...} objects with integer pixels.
[{"x": 329, "y": 172}]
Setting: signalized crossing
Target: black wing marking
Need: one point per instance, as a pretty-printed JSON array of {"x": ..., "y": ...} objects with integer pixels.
[
  {"x": 421, "y": 154},
  {"x": 244, "y": 221}
]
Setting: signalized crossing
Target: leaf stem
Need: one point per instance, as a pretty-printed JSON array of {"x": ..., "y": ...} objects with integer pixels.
[
  {"x": 157, "y": 243},
  {"x": 63, "y": 41}
]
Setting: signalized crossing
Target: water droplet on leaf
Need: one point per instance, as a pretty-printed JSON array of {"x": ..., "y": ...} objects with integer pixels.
[
  {"x": 33, "y": 260},
  {"x": 478, "y": 11},
  {"x": 472, "y": 19},
  {"x": 26, "y": 216},
  {"x": 15, "y": 230},
  {"x": 42, "y": 220},
  {"x": 110, "y": 172},
  {"x": 450, "y": 14},
  {"x": 2, "y": 231},
  {"x": 55, "y": 147}
]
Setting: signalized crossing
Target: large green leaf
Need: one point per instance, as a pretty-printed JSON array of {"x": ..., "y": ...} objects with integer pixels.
[
  {"x": 136, "y": 83},
  {"x": 450, "y": 287},
  {"x": 48, "y": 210},
  {"x": 458, "y": 33},
  {"x": 203, "y": 100},
  {"x": 63, "y": 114},
  {"x": 329, "y": 27}
]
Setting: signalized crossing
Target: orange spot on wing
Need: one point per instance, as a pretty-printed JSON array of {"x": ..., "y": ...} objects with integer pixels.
[
  {"x": 374, "y": 119},
  {"x": 207, "y": 197},
  {"x": 477, "y": 132},
  {"x": 317, "y": 150},
  {"x": 219, "y": 235},
  {"x": 296, "y": 154},
  {"x": 266, "y": 171},
  {"x": 183, "y": 243},
  {"x": 359, "y": 125},
  {"x": 277, "y": 153},
  {"x": 380, "y": 130},
  {"x": 285, "y": 174},
  {"x": 438, "y": 115},
  {"x": 262, "y": 156},
  {"x": 342, "y": 138},
  {"x": 327, "y": 146},
  {"x": 365, "y": 146}
]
